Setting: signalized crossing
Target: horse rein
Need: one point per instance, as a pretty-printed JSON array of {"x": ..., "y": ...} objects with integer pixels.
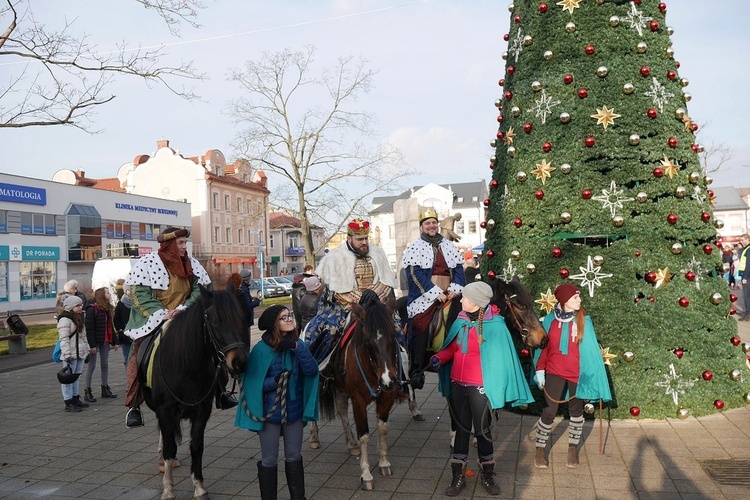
[{"x": 523, "y": 331}]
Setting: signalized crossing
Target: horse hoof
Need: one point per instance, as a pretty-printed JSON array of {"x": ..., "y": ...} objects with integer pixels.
[
  {"x": 385, "y": 471},
  {"x": 354, "y": 452},
  {"x": 314, "y": 446},
  {"x": 418, "y": 417},
  {"x": 366, "y": 485},
  {"x": 167, "y": 496}
]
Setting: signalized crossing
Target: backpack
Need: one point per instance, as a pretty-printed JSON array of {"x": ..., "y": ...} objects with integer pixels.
[{"x": 57, "y": 351}]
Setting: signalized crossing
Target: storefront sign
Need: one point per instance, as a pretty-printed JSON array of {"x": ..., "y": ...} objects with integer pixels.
[
  {"x": 141, "y": 208},
  {"x": 23, "y": 194},
  {"x": 40, "y": 253}
]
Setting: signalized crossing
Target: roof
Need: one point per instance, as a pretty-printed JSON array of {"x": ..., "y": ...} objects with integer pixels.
[
  {"x": 280, "y": 220},
  {"x": 464, "y": 191},
  {"x": 727, "y": 198}
]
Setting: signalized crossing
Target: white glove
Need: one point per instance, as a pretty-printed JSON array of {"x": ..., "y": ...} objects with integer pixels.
[{"x": 539, "y": 378}]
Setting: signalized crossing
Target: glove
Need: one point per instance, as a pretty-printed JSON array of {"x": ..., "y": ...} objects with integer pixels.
[
  {"x": 435, "y": 363},
  {"x": 68, "y": 360},
  {"x": 286, "y": 344},
  {"x": 539, "y": 378},
  {"x": 278, "y": 377}
]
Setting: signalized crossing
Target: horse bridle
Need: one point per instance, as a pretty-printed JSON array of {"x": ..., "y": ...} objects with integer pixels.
[
  {"x": 516, "y": 319},
  {"x": 367, "y": 349}
]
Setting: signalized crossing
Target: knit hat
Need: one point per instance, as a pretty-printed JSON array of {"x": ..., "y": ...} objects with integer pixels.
[
  {"x": 72, "y": 301},
  {"x": 70, "y": 286},
  {"x": 246, "y": 274},
  {"x": 269, "y": 317},
  {"x": 312, "y": 283},
  {"x": 479, "y": 292},
  {"x": 564, "y": 292}
]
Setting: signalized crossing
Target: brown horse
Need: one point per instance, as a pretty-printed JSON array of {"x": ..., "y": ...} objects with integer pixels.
[{"x": 365, "y": 368}]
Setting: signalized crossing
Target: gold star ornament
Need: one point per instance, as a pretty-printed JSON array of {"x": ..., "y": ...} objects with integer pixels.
[
  {"x": 605, "y": 116},
  {"x": 607, "y": 357},
  {"x": 509, "y": 136},
  {"x": 663, "y": 277},
  {"x": 543, "y": 171},
  {"x": 547, "y": 301},
  {"x": 670, "y": 167},
  {"x": 569, "y": 5}
]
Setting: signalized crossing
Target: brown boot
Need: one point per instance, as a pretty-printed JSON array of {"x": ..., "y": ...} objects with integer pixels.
[
  {"x": 488, "y": 477},
  {"x": 572, "y": 456},
  {"x": 540, "y": 462},
  {"x": 459, "y": 478}
]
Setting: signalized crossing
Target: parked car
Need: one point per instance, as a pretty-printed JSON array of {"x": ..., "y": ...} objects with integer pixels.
[
  {"x": 270, "y": 290},
  {"x": 283, "y": 281}
]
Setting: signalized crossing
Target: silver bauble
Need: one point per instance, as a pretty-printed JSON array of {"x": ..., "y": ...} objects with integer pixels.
[
  {"x": 695, "y": 177},
  {"x": 511, "y": 151},
  {"x": 598, "y": 260},
  {"x": 602, "y": 71},
  {"x": 670, "y": 30},
  {"x": 566, "y": 168},
  {"x": 566, "y": 217},
  {"x": 505, "y": 55},
  {"x": 515, "y": 111},
  {"x": 701, "y": 148},
  {"x": 735, "y": 375},
  {"x": 547, "y": 55},
  {"x": 628, "y": 356},
  {"x": 708, "y": 180},
  {"x": 641, "y": 197},
  {"x": 746, "y": 397},
  {"x": 564, "y": 117},
  {"x": 686, "y": 97},
  {"x": 746, "y": 347},
  {"x": 634, "y": 139},
  {"x": 628, "y": 88},
  {"x": 589, "y": 408},
  {"x": 515, "y": 255},
  {"x": 679, "y": 113},
  {"x": 670, "y": 52},
  {"x": 618, "y": 221},
  {"x": 536, "y": 86},
  {"x": 677, "y": 248},
  {"x": 498, "y": 103},
  {"x": 493, "y": 143},
  {"x": 641, "y": 48},
  {"x": 527, "y": 40},
  {"x": 493, "y": 159},
  {"x": 718, "y": 223},
  {"x": 680, "y": 192},
  {"x": 614, "y": 21},
  {"x": 683, "y": 413},
  {"x": 684, "y": 82},
  {"x": 512, "y": 7},
  {"x": 531, "y": 268},
  {"x": 570, "y": 27},
  {"x": 716, "y": 298},
  {"x": 521, "y": 176},
  {"x": 490, "y": 223}
]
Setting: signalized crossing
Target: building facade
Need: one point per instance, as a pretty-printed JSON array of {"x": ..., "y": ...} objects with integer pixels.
[
  {"x": 732, "y": 209},
  {"x": 286, "y": 248}
]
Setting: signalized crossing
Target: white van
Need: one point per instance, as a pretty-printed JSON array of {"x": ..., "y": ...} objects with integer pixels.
[{"x": 108, "y": 271}]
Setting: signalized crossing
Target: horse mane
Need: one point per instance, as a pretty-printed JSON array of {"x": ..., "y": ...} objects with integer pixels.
[{"x": 378, "y": 317}]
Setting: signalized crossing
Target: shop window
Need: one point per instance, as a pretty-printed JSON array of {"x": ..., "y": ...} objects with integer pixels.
[{"x": 38, "y": 280}]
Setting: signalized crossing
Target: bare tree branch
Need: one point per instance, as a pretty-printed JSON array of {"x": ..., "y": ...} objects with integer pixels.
[
  {"x": 58, "y": 78},
  {"x": 316, "y": 148}
]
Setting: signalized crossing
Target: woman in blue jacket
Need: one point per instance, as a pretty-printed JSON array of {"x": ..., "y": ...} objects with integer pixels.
[{"x": 279, "y": 364}]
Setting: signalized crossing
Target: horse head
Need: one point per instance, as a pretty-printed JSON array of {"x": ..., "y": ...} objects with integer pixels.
[
  {"x": 224, "y": 327},
  {"x": 515, "y": 304},
  {"x": 378, "y": 332}
]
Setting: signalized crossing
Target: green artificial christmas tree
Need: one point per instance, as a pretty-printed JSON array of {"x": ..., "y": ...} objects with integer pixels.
[{"x": 597, "y": 182}]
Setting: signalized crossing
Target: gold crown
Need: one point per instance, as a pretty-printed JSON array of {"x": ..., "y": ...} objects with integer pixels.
[
  {"x": 358, "y": 227},
  {"x": 428, "y": 213}
]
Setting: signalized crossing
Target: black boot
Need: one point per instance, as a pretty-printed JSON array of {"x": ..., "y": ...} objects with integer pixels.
[
  {"x": 69, "y": 406},
  {"x": 295, "y": 479},
  {"x": 134, "y": 418},
  {"x": 80, "y": 404},
  {"x": 268, "y": 481},
  {"x": 458, "y": 482},
  {"x": 488, "y": 477},
  {"x": 107, "y": 392},
  {"x": 89, "y": 396}
]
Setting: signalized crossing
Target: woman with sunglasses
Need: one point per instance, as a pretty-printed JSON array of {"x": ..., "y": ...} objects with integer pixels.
[{"x": 281, "y": 396}]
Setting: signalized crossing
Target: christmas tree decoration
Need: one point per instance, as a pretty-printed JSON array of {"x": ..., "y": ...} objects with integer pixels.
[
  {"x": 509, "y": 136},
  {"x": 683, "y": 413},
  {"x": 735, "y": 375},
  {"x": 635, "y": 411},
  {"x": 618, "y": 193},
  {"x": 607, "y": 356},
  {"x": 589, "y": 408},
  {"x": 719, "y": 404},
  {"x": 707, "y": 375}
]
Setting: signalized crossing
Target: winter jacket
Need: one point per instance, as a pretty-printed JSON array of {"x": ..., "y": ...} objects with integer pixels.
[
  {"x": 253, "y": 302},
  {"x": 122, "y": 314},
  {"x": 97, "y": 322},
  {"x": 66, "y": 327},
  {"x": 308, "y": 308}
]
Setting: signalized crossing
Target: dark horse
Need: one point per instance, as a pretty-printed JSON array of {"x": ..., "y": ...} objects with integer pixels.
[
  {"x": 364, "y": 369},
  {"x": 186, "y": 364},
  {"x": 517, "y": 307}
]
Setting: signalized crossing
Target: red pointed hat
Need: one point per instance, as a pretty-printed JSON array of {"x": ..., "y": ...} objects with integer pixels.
[{"x": 358, "y": 227}]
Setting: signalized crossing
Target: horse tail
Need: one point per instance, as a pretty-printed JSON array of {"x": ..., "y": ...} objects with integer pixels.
[{"x": 327, "y": 397}]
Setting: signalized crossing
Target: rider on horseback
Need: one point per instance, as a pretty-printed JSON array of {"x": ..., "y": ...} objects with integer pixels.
[{"x": 435, "y": 274}]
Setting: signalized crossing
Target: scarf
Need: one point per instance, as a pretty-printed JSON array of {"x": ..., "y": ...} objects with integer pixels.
[
  {"x": 462, "y": 339},
  {"x": 432, "y": 240},
  {"x": 565, "y": 319}
]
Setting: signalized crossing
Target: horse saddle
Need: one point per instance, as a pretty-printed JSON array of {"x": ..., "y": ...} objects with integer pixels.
[
  {"x": 145, "y": 356},
  {"x": 436, "y": 330}
]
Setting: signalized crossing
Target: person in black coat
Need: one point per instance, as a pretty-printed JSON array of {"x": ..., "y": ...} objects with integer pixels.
[
  {"x": 122, "y": 314},
  {"x": 309, "y": 303},
  {"x": 298, "y": 290},
  {"x": 101, "y": 335},
  {"x": 251, "y": 300}
]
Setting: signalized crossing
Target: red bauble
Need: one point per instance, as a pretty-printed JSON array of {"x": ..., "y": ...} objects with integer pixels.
[
  {"x": 694, "y": 127},
  {"x": 652, "y": 113},
  {"x": 690, "y": 276},
  {"x": 567, "y": 79},
  {"x": 733, "y": 297},
  {"x": 733, "y": 310},
  {"x": 583, "y": 93},
  {"x": 719, "y": 404},
  {"x": 511, "y": 70},
  {"x": 710, "y": 193},
  {"x": 707, "y": 375},
  {"x": 679, "y": 353},
  {"x": 543, "y": 7},
  {"x": 695, "y": 148},
  {"x": 672, "y": 218},
  {"x": 637, "y": 299},
  {"x": 517, "y": 222},
  {"x": 658, "y": 172},
  {"x": 645, "y": 70},
  {"x": 735, "y": 341},
  {"x": 677, "y": 64},
  {"x": 500, "y": 134},
  {"x": 506, "y": 37},
  {"x": 528, "y": 127},
  {"x": 564, "y": 273},
  {"x": 654, "y": 25},
  {"x": 490, "y": 254},
  {"x": 539, "y": 194},
  {"x": 556, "y": 253},
  {"x": 589, "y": 142},
  {"x": 672, "y": 142},
  {"x": 483, "y": 224},
  {"x": 501, "y": 82},
  {"x": 637, "y": 2},
  {"x": 705, "y": 216},
  {"x": 708, "y": 249},
  {"x": 500, "y": 119},
  {"x": 492, "y": 166},
  {"x": 662, "y": 7},
  {"x": 635, "y": 411},
  {"x": 546, "y": 147},
  {"x": 589, "y": 50},
  {"x": 517, "y": 19},
  {"x": 684, "y": 301},
  {"x": 637, "y": 253},
  {"x": 525, "y": 353},
  {"x": 586, "y": 194},
  {"x": 491, "y": 275},
  {"x": 650, "y": 276},
  {"x": 671, "y": 74},
  {"x": 652, "y": 299},
  {"x": 494, "y": 184},
  {"x": 486, "y": 202},
  {"x": 508, "y": 95}
]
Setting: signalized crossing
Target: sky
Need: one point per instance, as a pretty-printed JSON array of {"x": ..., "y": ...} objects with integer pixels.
[{"x": 437, "y": 61}]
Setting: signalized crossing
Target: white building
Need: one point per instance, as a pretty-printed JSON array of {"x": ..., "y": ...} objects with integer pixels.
[{"x": 732, "y": 210}]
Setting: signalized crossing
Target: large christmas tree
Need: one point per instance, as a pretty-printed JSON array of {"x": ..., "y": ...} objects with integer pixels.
[{"x": 597, "y": 182}]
